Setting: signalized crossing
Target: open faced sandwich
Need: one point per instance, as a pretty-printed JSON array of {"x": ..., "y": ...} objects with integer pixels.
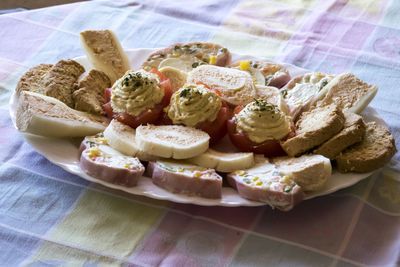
[{"x": 193, "y": 119}]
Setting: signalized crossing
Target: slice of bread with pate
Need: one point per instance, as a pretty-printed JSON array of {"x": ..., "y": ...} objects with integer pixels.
[
  {"x": 42, "y": 115},
  {"x": 105, "y": 52},
  {"x": 353, "y": 132},
  {"x": 314, "y": 128},
  {"x": 349, "y": 93},
  {"x": 377, "y": 148}
]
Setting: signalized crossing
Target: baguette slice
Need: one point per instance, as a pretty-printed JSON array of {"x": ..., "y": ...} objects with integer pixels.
[
  {"x": 311, "y": 172},
  {"x": 313, "y": 128},
  {"x": 185, "y": 179},
  {"x": 224, "y": 162},
  {"x": 349, "y": 93},
  {"x": 377, "y": 148},
  {"x": 265, "y": 183},
  {"x": 172, "y": 141},
  {"x": 122, "y": 138},
  {"x": 97, "y": 161},
  {"x": 47, "y": 116},
  {"x": 352, "y": 133},
  {"x": 236, "y": 87},
  {"x": 105, "y": 53}
]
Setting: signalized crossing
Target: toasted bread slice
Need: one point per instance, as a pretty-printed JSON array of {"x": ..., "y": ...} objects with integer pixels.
[
  {"x": 32, "y": 80},
  {"x": 264, "y": 73},
  {"x": 224, "y": 162},
  {"x": 353, "y": 132},
  {"x": 311, "y": 172},
  {"x": 185, "y": 57},
  {"x": 236, "y": 87},
  {"x": 47, "y": 116},
  {"x": 122, "y": 138},
  {"x": 187, "y": 179},
  {"x": 90, "y": 95},
  {"x": 96, "y": 161},
  {"x": 105, "y": 53},
  {"x": 265, "y": 183},
  {"x": 313, "y": 128},
  {"x": 172, "y": 141},
  {"x": 60, "y": 81},
  {"x": 377, "y": 148},
  {"x": 303, "y": 91},
  {"x": 349, "y": 93}
]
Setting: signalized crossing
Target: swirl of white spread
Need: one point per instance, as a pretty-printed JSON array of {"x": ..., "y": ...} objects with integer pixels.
[
  {"x": 135, "y": 92},
  {"x": 262, "y": 121},
  {"x": 193, "y": 104}
]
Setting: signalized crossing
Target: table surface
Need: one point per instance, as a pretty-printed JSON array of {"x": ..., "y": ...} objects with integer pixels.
[{"x": 49, "y": 217}]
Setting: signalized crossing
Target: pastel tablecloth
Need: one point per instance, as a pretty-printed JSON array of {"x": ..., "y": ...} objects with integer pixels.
[{"x": 49, "y": 217}]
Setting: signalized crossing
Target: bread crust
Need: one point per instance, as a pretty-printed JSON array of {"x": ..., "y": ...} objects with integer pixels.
[
  {"x": 352, "y": 133},
  {"x": 313, "y": 128},
  {"x": 377, "y": 148}
]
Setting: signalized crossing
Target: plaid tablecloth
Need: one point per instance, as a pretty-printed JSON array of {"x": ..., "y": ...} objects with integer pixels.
[{"x": 49, "y": 217}]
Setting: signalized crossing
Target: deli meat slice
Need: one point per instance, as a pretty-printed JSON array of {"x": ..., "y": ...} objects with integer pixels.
[
  {"x": 185, "y": 178},
  {"x": 100, "y": 161},
  {"x": 265, "y": 183}
]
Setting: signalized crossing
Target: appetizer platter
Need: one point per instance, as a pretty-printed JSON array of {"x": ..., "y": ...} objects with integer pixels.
[{"x": 194, "y": 123}]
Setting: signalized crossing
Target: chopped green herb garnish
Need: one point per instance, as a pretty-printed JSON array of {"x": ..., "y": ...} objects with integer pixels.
[{"x": 284, "y": 93}]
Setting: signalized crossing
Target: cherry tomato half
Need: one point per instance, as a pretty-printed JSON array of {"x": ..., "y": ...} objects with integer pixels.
[{"x": 270, "y": 148}]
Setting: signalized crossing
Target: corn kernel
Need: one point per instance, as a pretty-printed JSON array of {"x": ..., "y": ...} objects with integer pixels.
[
  {"x": 94, "y": 152},
  {"x": 197, "y": 174},
  {"x": 176, "y": 55},
  {"x": 212, "y": 60},
  {"x": 244, "y": 64},
  {"x": 180, "y": 170},
  {"x": 241, "y": 173},
  {"x": 127, "y": 166},
  {"x": 101, "y": 140},
  {"x": 259, "y": 183},
  {"x": 255, "y": 178}
]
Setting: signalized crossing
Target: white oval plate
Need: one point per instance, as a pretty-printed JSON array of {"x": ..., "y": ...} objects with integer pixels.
[{"x": 64, "y": 153}]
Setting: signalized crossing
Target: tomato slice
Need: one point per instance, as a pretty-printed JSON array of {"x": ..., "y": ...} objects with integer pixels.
[
  {"x": 270, "y": 148},
  {"x": 217, "y": 128},
  {"x": 108, "y": 94}
]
